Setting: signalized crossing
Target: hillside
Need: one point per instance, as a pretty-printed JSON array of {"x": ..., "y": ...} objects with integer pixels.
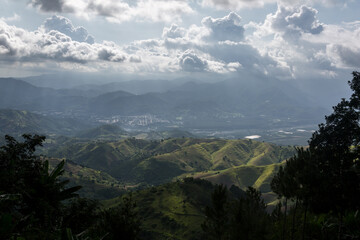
[
  {"x": 16, "y": 122},
  {"x": 17, "y": 94},
  {"x": 154, "y": 162},
  {"x": 103, "y": 132},
  {"x": 173, "y": 210},
  {"x": 95, "y": 184}
]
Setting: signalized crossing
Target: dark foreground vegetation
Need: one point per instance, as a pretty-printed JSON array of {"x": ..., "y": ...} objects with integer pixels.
[{"x": 318, "y": 191}]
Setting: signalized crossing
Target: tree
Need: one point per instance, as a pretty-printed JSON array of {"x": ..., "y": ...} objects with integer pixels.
[
  {"x": 81, "y": 214},
  {"x": 121, "y": 222},
  {"x": 31, "y": 196},
  {"x": 336, "y": 145},
  {"x": 326, "y": 177},
  {"x": 216, "y": 223},
  {"x": 248, "y": 217}
]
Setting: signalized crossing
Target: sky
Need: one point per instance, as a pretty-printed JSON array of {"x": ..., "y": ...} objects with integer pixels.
[{"x": 283, "y": 39}]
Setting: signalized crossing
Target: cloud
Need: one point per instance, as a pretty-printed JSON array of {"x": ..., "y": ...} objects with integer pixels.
[
  {"x": 236, "y": 4},
  {"x": 289, "y": 43},
  {"x": 49, "y": 5},
  {"x": 210, "y": 31},
  {"x": 295, "y": 39},
  {"x": 291, "y": 22},
  {"x": 65, "y": 26},
  {"x": 216, "y": 45},
  {"x": 241, "y": 4},
  {"x": 346, "y": 56},
  {"x": 190, "y": 62},
  {"x": 226, "y": 28},
  {"x": 19, "y": 45},
  {"x": 119, "y": 11},
  {"x": 173, "y": 32},
  {"x": 13, "y": 18}
]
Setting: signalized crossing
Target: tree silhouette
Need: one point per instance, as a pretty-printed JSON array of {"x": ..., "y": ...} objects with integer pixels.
[
  {"x": 249, "y": 219},
  {"x": 326, "y": 177},
  {"x": 31, "y": 196},
  {"x": 336, "y": 145},
  {"x": 121, "y": 222},
  {"x": 216, "y": 223}
]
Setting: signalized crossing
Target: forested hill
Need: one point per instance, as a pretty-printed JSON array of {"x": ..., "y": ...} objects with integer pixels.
[{"x": 239, "y": 162}]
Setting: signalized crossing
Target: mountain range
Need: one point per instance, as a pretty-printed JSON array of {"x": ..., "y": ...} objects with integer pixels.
[
  {"x": 226, "y": 105},
  {"x": 134, "y": 161}
]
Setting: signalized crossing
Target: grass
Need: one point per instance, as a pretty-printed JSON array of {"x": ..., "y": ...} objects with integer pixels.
[
  {"x": 239, "y": 162},
  {"x": 173, "y": 210}
]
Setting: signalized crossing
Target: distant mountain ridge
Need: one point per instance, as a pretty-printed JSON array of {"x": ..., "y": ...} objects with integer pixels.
[
  {"x": 231, "y": 104},
  {"x": 18, "y": 94},
  {"x": 16, "y": 122}
]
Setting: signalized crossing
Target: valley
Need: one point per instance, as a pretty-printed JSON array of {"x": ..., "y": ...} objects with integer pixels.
[{"x": 229, "y": 109}]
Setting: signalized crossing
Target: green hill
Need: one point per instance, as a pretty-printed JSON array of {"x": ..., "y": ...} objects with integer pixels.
[
  {"x": 95, "y": 184},
  {"x": 241, "y": 176},
  {"x": 154, "y": 162},
  {"x": 173, "y": 210}
]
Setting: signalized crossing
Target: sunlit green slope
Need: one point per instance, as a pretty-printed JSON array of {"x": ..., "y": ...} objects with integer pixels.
[{"x": 154, "y": 162}]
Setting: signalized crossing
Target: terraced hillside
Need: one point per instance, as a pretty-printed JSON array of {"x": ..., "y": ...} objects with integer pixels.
[{"x": 238, "y": 162}]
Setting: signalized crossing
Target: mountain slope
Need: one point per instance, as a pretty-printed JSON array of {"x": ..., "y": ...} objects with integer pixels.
[
  {"x": 103, "y": 132},
  {"x": 18, "y": 94},
  {"x": 95, "y": 184},
  {"x": 173, "y": 210},
  {"x": 15, "y": 122},
  {"x": 155, "y": 162}
]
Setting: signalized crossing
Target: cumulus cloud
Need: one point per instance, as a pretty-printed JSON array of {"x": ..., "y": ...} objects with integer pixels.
[
  {"x": 19, "y": 45},
  {"x": 289, "y": 43},
  {"x": 297, "y": 41},
  {"x": 174, "y": 32},
  {"x": 211, "y": 30},
  {"x": 190, "y": 62},
  {"x": 291, "y": 22},
  {"x": 216, "y": 45},
  {"x": 119, "y": 11},
  {"x": 65, "y": 26},
  {"x": 226, "y": 28}
]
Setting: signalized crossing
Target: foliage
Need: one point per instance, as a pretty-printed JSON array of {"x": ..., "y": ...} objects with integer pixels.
[
  {"x": 81, "y": 214},
  {"x": 216, "y": 222},
  {"x": 325, "y": 178},
  {"x": 120, "y": 222},
  {"x": 236, "y": 218},
  {"x": 31, "y": 196}
]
